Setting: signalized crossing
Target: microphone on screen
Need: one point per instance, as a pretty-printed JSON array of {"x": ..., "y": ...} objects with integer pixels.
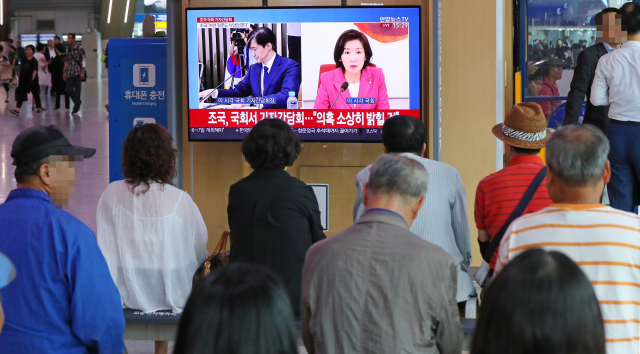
[
  {"x": 343, "y": 88},
  {"x": 222, "y": 83}
]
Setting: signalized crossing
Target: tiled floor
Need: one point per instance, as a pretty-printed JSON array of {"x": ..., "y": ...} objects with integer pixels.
[{"x": 90, "y": 127}]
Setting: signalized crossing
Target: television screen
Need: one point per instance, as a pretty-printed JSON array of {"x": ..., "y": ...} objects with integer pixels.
[{"x": 332, "y": 73}]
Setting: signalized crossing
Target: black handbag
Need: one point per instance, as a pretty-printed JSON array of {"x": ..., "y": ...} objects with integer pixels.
[{"x": 219, "y": 258}]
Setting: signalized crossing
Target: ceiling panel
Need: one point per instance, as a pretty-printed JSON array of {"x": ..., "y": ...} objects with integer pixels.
[{"x": 38, "y": 5}]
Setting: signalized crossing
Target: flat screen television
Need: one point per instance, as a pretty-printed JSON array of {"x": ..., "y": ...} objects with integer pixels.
[{"x": 332, "y": 73}]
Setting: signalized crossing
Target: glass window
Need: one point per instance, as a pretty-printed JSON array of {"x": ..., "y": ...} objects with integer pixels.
[{"x": 552, "y": 35}]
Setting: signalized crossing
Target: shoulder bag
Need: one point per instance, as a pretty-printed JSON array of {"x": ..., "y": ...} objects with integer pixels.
[
  {"x": 219, "y": 258},
  {"x": 484, "y": 273}
]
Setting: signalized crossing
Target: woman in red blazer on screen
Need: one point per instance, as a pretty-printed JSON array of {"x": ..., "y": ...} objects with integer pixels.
[{"x": 352, "y": 55}]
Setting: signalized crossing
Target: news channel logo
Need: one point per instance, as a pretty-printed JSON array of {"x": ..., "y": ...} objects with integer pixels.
[{"x": 144, "y": 75}]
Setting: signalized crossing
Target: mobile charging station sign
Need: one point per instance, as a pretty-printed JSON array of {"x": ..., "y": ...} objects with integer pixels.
[{"x": 137, "y": 91}]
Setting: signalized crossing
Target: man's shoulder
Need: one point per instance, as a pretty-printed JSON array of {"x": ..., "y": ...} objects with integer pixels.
[
  {"x": 66, "y": 221},
  {"x": 364, "y": 174},
  {"x": 410, "y": 244},
  {"x": 286, "y": 62}
]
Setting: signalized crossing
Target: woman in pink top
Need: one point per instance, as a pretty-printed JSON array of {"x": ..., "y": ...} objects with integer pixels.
[
  {"x": 352, "y": 55},
  {"x": 552, "y": 71}
]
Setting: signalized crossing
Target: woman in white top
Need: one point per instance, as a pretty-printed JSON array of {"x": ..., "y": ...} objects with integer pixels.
[
  {"x": 151, "y": 233},
  {"x": 43, "y": 73}
]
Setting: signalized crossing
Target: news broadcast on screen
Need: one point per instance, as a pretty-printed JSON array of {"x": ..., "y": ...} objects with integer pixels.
[{"x": 333, "y": 74}]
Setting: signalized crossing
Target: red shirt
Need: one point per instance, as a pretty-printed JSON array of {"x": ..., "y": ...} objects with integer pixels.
[
  {"x": 549, "y": 89},
  {"x": 499, "y": 193}
]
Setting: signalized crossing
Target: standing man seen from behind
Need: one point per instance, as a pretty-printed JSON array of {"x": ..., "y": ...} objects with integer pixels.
[
  {"x": 442, "y": 220},
  {"x": 524, "y": 133},
  {"x": 603, "y": 241},
  {"x": 585, "y": 71},
  {"x": 376, "y": 287},
  {"x": 617, "y": 84},
  {"x": 74, "y": 71},
  {"x": 64, "y": 300}
]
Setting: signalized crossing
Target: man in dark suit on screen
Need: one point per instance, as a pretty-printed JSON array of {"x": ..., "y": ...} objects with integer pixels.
[
  {"x": 584, "y": 73},
  {"x": 272, "y": 77}
]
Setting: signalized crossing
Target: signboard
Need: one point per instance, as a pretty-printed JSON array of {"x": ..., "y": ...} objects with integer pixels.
[
  {"x": 137, "y": 91},
  {"x": 46, "y": 37},
  {"x": 322, "y": 195}
]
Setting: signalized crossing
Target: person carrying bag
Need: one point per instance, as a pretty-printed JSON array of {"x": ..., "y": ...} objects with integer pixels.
[
  {"x": 484, "y": 274},
  {"x": 518, "y": 188}
]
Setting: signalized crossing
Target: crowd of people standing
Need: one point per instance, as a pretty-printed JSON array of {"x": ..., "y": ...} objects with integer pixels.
[
  {"x": 53, "y": 69},
  {"x": 560, "y": 271}
]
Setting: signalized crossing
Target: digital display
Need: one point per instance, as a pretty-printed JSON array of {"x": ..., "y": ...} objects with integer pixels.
[{"x": 332, "y": 73}]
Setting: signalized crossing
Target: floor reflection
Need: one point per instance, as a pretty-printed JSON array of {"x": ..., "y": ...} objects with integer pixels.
[{"x": 90, "y": 127}]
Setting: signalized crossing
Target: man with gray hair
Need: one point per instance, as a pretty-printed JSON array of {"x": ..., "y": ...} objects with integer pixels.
[
  {"x": 603, "y": 241},
  {"x": 376, "y": 287}
]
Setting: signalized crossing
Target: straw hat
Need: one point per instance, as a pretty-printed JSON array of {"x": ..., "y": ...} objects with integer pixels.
[{"x": 525, "y": 126}]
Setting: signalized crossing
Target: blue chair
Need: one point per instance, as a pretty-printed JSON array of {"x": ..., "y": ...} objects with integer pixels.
[{"x": 557, "y": 117}]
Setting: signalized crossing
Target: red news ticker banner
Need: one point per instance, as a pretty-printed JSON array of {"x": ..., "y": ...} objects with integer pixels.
[
  {"x": 296, "y": 118},
  {"x": 215, "y": 19}
]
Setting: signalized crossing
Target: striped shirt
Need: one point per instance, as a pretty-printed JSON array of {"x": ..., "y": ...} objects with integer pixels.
[
  {"x": 499, "y": 193},
  {"x": 605, "y": 243},
  {"x": 443, "y": 218}
]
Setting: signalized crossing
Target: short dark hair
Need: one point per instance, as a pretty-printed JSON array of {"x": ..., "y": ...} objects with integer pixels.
[
  {"x": 604, "y": 11},
  {"x": 263, "y": 36},
  {"x": 540, "y": 303},
  {"x": 10, "y": 40},
  {"x": 536, "y": 76},
  {"x": 71, "y": 34},
  {"x": 33, "y": 49},
  {"x": 40, "y": 47},
  {"x": 271, "y": 144},
  {"x": 351, "y": 35},
  {"x": 29, "y": 169},
  {"x": 403, "y": 134},
  {"x": 630, "y": 13},
  {"x": 238, "y": 309},
  {"x": 1, "y": 48},
  {"x": 56, "y": 37},
  {"x": 148, "y": 156},
  {"x": 523, "y": 151}
]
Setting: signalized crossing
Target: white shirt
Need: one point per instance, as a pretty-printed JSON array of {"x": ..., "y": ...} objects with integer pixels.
[
  {"x": 354, "y": 89},
  {"x": 41, "y": 60},
  {"x": 269, "y": 64},
  {"x": 153, "y": 243},
  {"x": 52, "y": 52},
  {"x": 617, "y": 83},
  {"x": 605, "y": 243}
]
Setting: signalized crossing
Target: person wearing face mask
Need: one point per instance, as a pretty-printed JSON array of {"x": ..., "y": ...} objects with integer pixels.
[
  {"x": 352, "y": 56},
  {"x": 271, "y": 78}
]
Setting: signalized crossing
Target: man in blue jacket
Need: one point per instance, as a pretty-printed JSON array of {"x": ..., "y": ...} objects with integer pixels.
[
  {"x": 63, "y": 299},
  {"x": 271, "y": 78}
]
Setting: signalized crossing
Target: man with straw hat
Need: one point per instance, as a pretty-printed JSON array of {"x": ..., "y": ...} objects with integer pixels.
[{"x": 503, "y": 194}]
